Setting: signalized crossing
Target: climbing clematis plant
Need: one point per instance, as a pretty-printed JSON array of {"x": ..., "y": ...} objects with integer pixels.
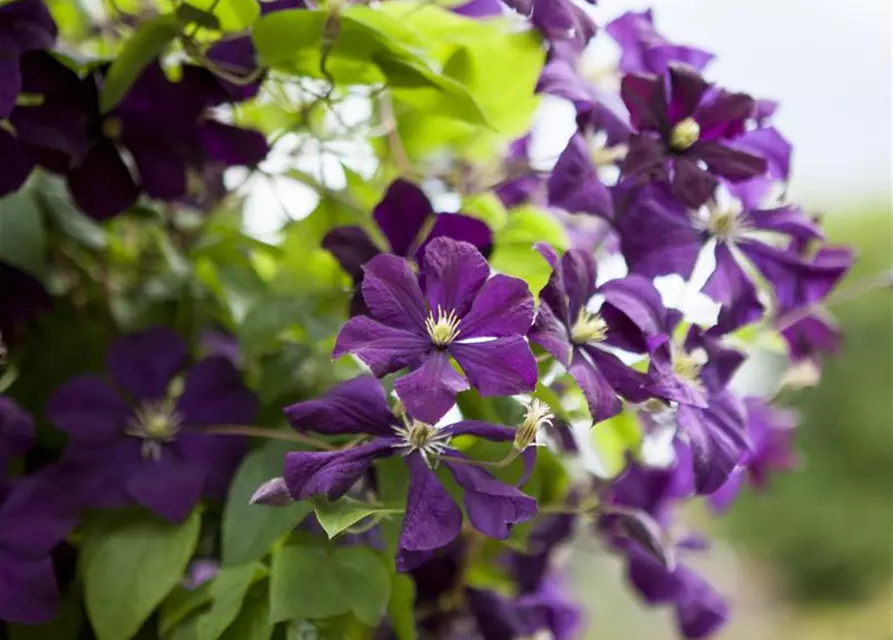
[{"x": 300, "y": 338}]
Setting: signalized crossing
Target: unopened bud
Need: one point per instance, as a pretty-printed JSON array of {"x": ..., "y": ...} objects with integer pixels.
[
  {"x": 273, "y": 493},
  {"x": 532, "y": 430}
]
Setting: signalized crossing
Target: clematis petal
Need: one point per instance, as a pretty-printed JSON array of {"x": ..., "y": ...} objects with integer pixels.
[
  {"x": 352, "y": 248},
  {"x": 214, "y": 394},
  {"x": 161, "y": 167},
  {"x": 646, "y": 157},
  {"x": 551, "y": 334},
  {"x": 454, "y": 273},
  {"x": 499, "y": 367},
  {"x": 493, "y": 506},
  {"x": 461, "y": 228},
  {"x": 391, "y": 291},
  {"x": 650, "y": 578},
  {"x": 733, "y": 164},
  {"x": 579, "y": 274},
  {"x": 723, "y": 115},
  {"x": 601, "y": 397},
  {"x": 29, "y": 593},
  {"x": 574, "y": 184},
  {"x": 102, "y": 185},
  {"x": 732, "y": 288},
  {"x": 691, "y": 184},
  {"x": 430, "y": 391},
  {"x": 687, "y": 88},
  {"x": 144, "y": 363},
  {"x": 634, "y": 312},
  {"x": 504, "y": 307},
  {"x": 384, "y": 349},
  {"x": 89, "y": 410},
  {"x": 16, "y": 430},
  {"x": 332, "y": 473},
  {"x": 646, "y": 99},
  {"x": 401, "y": 214},
  {"x": 355, "y": 406},
  {"x": 233, "y": 146},
  {"x": 432, "y": 519},
  {"x": 170, "y": 486},
  {"x": 11, "y": 86},
  {"x": 789, "y": 220},
  {"x": 218, "y": 455},
  {"x": 17, "y": 163},
  {"x": 700, "y": 611}
]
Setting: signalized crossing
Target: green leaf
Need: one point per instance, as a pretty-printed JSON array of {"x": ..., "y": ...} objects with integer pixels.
[
  {"x": 266, "y": 321},
  {"x": 57, "y": 205},
  {"x": 130, "y": 565},
  {"x": 401, "y": 607},
  {"x": 253, "y": 622},
  {"x": 487, "y": 207},
  {"x": 233, "y": 15},
  {"x": 228, "y": 591},
  {"x": 147, "y": 43},
  {"x": 180, "y": 604},
  {"x": 248, "y": 531},
  {"x": 190, "y": 14},
  {"x": 310, "y": 582},
  {"x": 613, "y": 438},
  {"x": 335, "y": 517},
  {"x": 22, "y": 235}
]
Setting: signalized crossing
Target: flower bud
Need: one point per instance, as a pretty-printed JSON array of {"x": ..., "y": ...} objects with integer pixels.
[{"x": 272, "y": 493}]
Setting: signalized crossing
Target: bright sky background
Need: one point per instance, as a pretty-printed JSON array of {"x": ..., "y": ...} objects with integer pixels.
[{"x": 829, "y": 64}]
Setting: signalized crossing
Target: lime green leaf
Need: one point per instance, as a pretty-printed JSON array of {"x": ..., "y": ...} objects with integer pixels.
[
  {"x": 227, "y": 591},
  {"x": 248, "y": 531},
  {"x": 146, "y": 44},
  {"x": 612, "y": 439},
  {"x": 335, "y": 517},
  {"x": 310, "y": 582},
  {"x": 487, "y": 207},
  {"x": 190, "y": 14},
  {"x": 268, "y": 319},
  {"x": 400, "y": 607},
  {"x": 22, "y": 234},
  {"x": 253, "y": 622},
  {"x": 233, "y": 15},
  {"x": 130, "y": 565},
  {"x": 514, "y": 251},
  {"x": 180, "y": 604}
]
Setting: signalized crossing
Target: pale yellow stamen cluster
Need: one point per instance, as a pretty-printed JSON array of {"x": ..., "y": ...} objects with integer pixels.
[
  {"x": 685, "y": 134},
  {"x": 589, "y": 327},
  {"x": 688, "y": 366},
  {"x": 444, "y": 328},
  {"x": 539, "y": 416},
  {"x": 725, "y": 224},
  {"x": 155, "y": 423},
  {"x": 428, "y": 440}
]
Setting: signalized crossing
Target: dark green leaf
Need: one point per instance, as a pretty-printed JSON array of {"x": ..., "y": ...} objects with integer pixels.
[
  {"x": 189, "y": 14},
  {"x": 335, "y": 517},
  {"x": 268, "y": 319},
  {"x": 130, "y": 565},
  {"x": 400, "y": 607},
  {"x": 57, "y": 204},
  {"x": 248, "y": 531},
  {"x": 227, "y": 591},
  {"x": 22, "y": 234},
  {"x": 310, "y": 582},
  {"x": 146, "y": 44},
  {"x": 253, "y": 622}
]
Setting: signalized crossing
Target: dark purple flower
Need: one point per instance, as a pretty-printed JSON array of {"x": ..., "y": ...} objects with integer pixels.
[
  {"x": 582, "y": 340},
  {"x": 432, "y": 519},
  {"x": 22, "y": 297},
  {"x": 409, "y": 224},
  {"x": 771, "y": 431},
  {"x": 684, "y": 129},
  {"x": 653, "y": 494},
  {"x": 548, "y": 608},
  {"x": 35, "y": 515},
  {"x": 521, "y": 184},
  {"x": 659, "y": 235},
  {"x": 561, "y": 22},
  {"x": 164, "y": 127},
  {"x": 131, "y": 441},
  {"x": 710, "y": 419},
  {"x": 574, "y": 184},
  {"x": 644, "y": 50},
  {"x": 50, "y": 131},
  {"x": 16, "y": 430},
  {"x": 457, "y": 310},
  {"x": 811, "y": 336},
  {"x": 479, "y": 8},
  {"x": 25, "y": 25}
]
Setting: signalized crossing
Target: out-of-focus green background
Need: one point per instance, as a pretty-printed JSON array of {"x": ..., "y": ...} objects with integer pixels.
[{"x": 811, "y": 559}]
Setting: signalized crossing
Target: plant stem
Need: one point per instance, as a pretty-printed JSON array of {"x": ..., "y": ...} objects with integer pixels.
[{"x": 270, "y": 434}]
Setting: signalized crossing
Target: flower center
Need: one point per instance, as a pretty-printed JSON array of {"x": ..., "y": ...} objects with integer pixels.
[
  {"x": 424, "y": 438},
  {"x": 685, "y": 134},
  {"x": 112, "y": 128},
  {"x": 444, "y": 328},
  {"x": 688, "y": 366},
  {"x": 155, "y": 423},
  {"x": 539, "y": 416},
  {"x": 724, "y": 225},
  {"x": 589, "y": 327}
]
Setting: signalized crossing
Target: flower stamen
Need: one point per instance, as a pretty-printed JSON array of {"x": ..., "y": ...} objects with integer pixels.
[
  {"x": 685, "y": 134},
  {"x": 429, "y": 441},
  {"x": 444, "y": 329},
  {"x": 532, "y": 430},
  {"x": 155, "y": 423},
  {"x": 688, "y": 365},
  {"x": 589, "y": 327}
]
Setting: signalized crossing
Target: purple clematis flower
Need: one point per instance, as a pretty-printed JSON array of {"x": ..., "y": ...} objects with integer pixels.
[
  {"x": 50, "y": 131},
  {"x": 674, "y": 236},
  {"x": 143, "y": 445},
  {"x": 16, "y": 430},
  {"x": 644, "y": 50},
  {"x": 710, "y": 419},
  {"x": 453, "y": 309},
  {"x": 35, "y": 515},
  {"x": 771, "y": 432},
  {"x": 562, "y": 23},
  {"x": 407, "y": 220},
  {"x": 521, "y": 184},
  {"x": 683, "y": 123},
  {"x": 650, "y": 495},
  {"x": 164, "y": 127},
  {"x": 25, "y": 25},
  {"x": 582, "y": 340},
  {"x": 432, "y": 519},
  {"x": 574, "y": 184}
]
